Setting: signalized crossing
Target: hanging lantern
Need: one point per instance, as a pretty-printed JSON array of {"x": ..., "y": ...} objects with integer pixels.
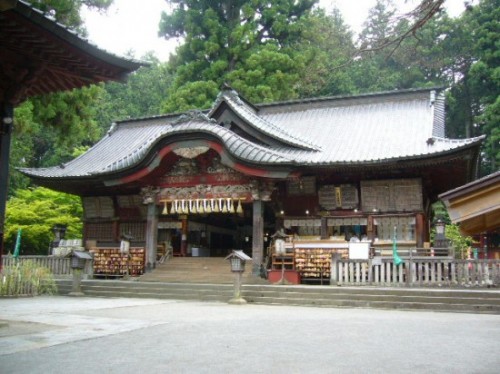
[
  {"x": 199, "y": 206},
  {"x": 239, "y": 210},
  {"x": 216, "y": 208},
  {"x": 173, "y": 210},
  {"x": 165, "y": 208}
]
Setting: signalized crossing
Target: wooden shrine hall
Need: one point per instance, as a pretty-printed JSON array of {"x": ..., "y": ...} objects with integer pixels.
[{"x": 322, "y": 171}]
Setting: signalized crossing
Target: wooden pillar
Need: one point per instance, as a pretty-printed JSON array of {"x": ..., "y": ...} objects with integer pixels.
[
  {"x": 324, "y": 228},
  {"x": 149, "y": 195},
  {"x": 6, "y": 121},
  {"x": 151, "y": 236},
  {"x": 420, "y": 229},
  {"x": 184, "y": 237},
  {"x": 370, "y": 228},
  {"x": 257, "y": 236}
]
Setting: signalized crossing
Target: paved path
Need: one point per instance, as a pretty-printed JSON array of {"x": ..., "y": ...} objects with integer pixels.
[{"x": 97, "y": 335}]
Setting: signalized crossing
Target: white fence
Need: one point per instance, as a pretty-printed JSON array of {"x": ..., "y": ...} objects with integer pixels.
[
  {"x": 427, "y": 271},
  {"x": 59, "y": 266}
]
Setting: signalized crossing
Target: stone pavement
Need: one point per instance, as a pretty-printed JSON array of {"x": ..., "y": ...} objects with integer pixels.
[{"x": 101, "y": 335}]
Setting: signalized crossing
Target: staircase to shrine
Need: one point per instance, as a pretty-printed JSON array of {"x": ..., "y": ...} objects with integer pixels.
[
  {"x": 449, "y": 300},
  {"x": 209, "y": 270}
]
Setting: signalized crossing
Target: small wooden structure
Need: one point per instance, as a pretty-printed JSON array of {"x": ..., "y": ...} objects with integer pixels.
[{"x": 475, "y": 206}]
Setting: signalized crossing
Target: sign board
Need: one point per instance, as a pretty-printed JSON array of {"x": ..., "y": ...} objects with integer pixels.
[{"x": 359, "y": 250}]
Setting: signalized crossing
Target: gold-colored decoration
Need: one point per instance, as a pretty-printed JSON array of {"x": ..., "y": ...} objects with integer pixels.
[
  {"x": 203, "y": 206},
  {"x": 201, "y": 209},
  {"x": 207, "y": 206}
]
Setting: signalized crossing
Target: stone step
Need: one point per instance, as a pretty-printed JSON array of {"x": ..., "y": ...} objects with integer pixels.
[
  {"x": 474, "y": 301},
  {"x": 192, "y": 270}
]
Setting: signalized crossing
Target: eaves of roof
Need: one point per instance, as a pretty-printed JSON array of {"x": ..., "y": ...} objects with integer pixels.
[{"x": 65, "y": 33}]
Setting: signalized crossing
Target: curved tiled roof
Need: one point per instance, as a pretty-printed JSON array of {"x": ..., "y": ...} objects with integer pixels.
[
  {"x": 368, "y": 129},
  {"x": 251, "y": 117},
  {"x": 363, "y": 130},
  {"x": 129, "y": 143}
]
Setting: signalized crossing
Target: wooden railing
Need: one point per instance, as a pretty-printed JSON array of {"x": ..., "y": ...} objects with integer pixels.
[
  {"x": 416, "y": 272},
  {"x": 59, "y": 266}
]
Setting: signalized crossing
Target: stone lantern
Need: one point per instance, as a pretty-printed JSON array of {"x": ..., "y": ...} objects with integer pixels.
[{"x": 237, "y": 260}]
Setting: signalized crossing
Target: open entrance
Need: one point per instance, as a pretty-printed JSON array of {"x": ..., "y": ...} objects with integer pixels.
[{"x": 214, "y": 234}]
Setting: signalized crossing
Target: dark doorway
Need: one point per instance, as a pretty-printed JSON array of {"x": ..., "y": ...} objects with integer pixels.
[{"x": 220, "y": 244}]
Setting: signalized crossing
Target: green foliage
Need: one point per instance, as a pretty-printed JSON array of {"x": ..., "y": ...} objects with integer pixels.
[
  {"x": 51, "y": 126},
  {"x": 417, "y": 61},
  {"x": 36, "y": 211},
  {"x": 141, "y": 95},
  {"x": 326, "y": 53},
  {"x": 192, "y": 95},
  {"x": 26, "y": 278},
  {"x": 267, "y": 75},
  {"x": 459, "y": 242},
  {"x": 230, "y": 41},
  {"x": 48, "y": 129},
  {"x": 67, "y": 12},
  {"x": 474, "y": 104}
]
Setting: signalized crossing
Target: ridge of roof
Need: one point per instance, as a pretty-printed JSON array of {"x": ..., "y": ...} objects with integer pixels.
[
  {"x": 462, "y": 141},
  {"x": 350, "y": 96},
  {"x": 249, "y": 112}
]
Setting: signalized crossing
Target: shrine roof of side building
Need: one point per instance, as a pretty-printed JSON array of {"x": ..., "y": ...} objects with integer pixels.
[{"x": 368, "y": 129}]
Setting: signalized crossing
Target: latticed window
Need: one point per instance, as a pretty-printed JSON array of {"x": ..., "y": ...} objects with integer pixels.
[
  {"x": 405, "y": 228},
  {"x": 99, "y": 231},
  {"x": 134, "y": 229}
]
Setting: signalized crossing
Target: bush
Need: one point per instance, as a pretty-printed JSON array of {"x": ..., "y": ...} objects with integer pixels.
[{"x": 26, "y": 278}]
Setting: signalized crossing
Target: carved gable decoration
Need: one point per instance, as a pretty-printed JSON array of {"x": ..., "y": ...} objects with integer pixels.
[
  {"x": 191, "y": 152},
  {"x": 204, "y": 168},
  {"x": 206, "y": 192},
  {"x": 185, "y": 166}
]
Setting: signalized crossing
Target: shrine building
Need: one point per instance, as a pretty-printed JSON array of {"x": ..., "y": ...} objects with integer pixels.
[{"x": 322, "y": 171}]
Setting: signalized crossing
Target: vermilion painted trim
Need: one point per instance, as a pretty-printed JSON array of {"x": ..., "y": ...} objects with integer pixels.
[
  {"x": 137, "y": 175},
  {"x": 143, "y": 172},
  {"x": 213, "y": 145},
  {"x": 251, "y": 171}
]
